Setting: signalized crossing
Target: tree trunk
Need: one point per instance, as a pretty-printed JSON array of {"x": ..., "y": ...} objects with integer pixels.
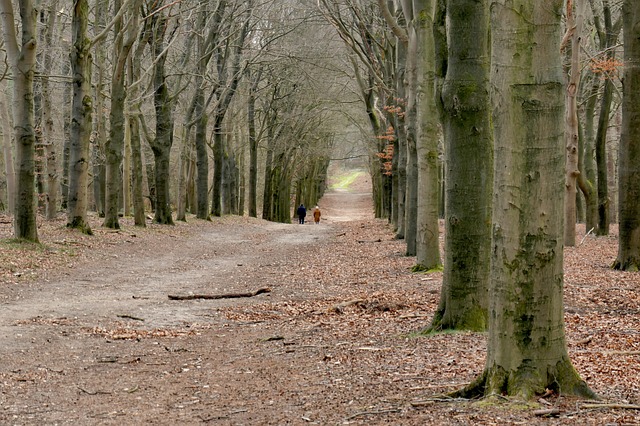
[
  {"x": 100, "y": 136},
  {"x": 5, "y": 122},
  {"x": 608, "y": 38},
  {"x": 469, "y": 170},
  {"x": 22, "y": 59},
  {"x": 253, "y": 146},
  {"x": 137, "y": 182},
  {"x": 427, "y": 235},
  {"x": 527, "y": 350},
  {"x": 163, "y": 140},
  {"x": 139, "y": 216},
  {"x": 574, "y": 28},
  {"x": 411, "y": 186},
  {"x": 629, "y": 154},
  {"x": 218, "y": 153},
  {"x": 587, "y": 176},
  {"x": 115, "y": 147},
  {"x": 400, "y": 146},
  {"x": 80, "y": 121},
  {"x": 202, "y": 167},
  {"x": 48, "y": 133}
]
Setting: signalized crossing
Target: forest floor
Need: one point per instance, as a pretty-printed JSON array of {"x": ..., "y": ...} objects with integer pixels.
[{"x": 89, "y": 335}]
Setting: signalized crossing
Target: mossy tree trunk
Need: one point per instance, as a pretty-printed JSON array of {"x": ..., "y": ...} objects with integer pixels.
[
  {"x": 115, "y": 146},
  {"x": 526, "y": 347},
  {"x": 22, "y": 59},
  {"x": 629, "y": 154},
  {"x": 469, "y": 170},
  {"x": 427, "y": 233},
  {"x": 163, "y": 141},
  {"x": 608, "y": 36},
  {"x": 80, "y": 130}
]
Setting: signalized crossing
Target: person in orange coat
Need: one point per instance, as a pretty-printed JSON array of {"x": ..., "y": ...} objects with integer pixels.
[{"x": 316, "y": 215}]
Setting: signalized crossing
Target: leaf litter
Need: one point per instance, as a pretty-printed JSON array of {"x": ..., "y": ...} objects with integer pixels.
[{"x": 335, "y": 342}]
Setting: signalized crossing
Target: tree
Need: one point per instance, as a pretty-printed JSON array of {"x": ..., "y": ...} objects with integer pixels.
[
  {"x": 527, "y": 351},
  {"x": 608, "y": 37},
  {"x": 22, "y": 59},
  {"x": 469, "y": 169},
  {"x": 574, "y": 36},
  {"x": 7, "y": 152},
  {"x": 48, "y": 21},
  {"x": 629, "y": 155},
  {"x": 427, "y": 233},
  {"x": 229, "y": 72},
  {"x": 115, "y": 145},
  {"x": 163, "y": 102},
  {"x": 81, "y": 111}
]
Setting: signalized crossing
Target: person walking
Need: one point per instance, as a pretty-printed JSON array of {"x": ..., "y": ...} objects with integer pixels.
[
  {"x": 316, "y": 215},
  {"x": 302, "y": 213}
]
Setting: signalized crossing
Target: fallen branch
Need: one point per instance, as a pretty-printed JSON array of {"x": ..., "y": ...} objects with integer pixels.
[
  {"x": 431, "y": 401},
  {"x": 550, "y": 412},
  {"x": 367, "y": 413},
  {"x": 220, "y": 296},
  {"x": 369, "y": 241},
  {"x": 131, "y": 317},
  {"x": 621, "y": 406},
  {"x": 585, "y": 236}
]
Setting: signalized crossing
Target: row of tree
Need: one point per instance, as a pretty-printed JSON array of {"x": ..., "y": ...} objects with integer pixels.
[
  {"x": 504, "y": 86},
  {"x": 201, "y": 107},
  {"x": 463, "y": 105}
]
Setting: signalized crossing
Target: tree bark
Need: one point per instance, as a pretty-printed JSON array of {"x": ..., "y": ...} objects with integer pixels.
[
  {"x": 527, "y": 350},
  {"x": 22, "y": 59},
  {"x": 427, "y": 233},
  {"x": 48, "y": 132},
  {"x": 469, "y": 170},
  {"x": 608, "y": 37},
  {"x": 7, "y": 152},
  {"x": 161, "y": 145},
  {"x": 80, "y": 121},
  {"x": 629, "y": 154},
  {"x": 253, "y": 143},
  {"x": 574, "y": 30},
  {"x": 115, "y": 147}
]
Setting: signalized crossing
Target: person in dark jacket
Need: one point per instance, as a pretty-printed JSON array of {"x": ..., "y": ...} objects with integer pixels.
[{"x": 302, "y": 213}]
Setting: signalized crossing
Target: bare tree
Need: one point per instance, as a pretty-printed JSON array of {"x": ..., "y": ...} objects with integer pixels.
[{"x": 22, "y": 58}]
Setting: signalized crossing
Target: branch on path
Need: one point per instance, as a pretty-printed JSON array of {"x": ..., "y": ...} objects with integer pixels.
[
  {"x": 620, "y": 406},
  {"x": 369, "y": 241},
  {"x": 220, "y": 296},
  {"x": 368, "y": 413}
]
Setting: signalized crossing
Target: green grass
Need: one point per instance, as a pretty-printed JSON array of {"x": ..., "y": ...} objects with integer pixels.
[{"x": 344, "y": 180}]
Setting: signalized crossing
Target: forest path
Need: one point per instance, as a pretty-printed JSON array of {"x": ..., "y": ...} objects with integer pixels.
[
  {"x": 135, "y": 280},
  {"x": 88, "y": 335}
]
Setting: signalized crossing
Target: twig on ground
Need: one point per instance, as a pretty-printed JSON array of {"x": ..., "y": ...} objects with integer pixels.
[
  {"x": 130, "y": 317},
  {"x": 549, "y": 412},
  {"x": 220, "y": 296},
  {"x": 94, "y": 392},
  {"x": 585, "y": 236},
  {"x": 612, "y": 405},
  {"x": 367, "y": 413}
]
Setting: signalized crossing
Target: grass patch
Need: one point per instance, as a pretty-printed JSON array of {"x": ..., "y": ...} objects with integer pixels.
[
  {"x": 343, "y": 181},
  {"x": 419, "y": 269}
]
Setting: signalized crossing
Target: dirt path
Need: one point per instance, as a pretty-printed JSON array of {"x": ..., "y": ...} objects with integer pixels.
[{"x": 96, "y": 340}]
